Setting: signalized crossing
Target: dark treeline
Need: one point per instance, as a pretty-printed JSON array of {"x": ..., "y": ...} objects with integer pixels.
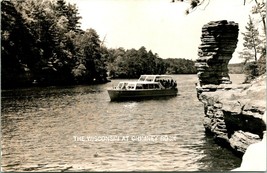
[
  {"x": 133, "y": 63},
  {"x": 42, "y": 43},
  {"x": 180, "y": 66}
]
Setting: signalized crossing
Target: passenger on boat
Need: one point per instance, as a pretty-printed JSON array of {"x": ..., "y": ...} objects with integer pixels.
[
  {"x": 174, "y": 85},
  {"x": 168, "y": 83}
]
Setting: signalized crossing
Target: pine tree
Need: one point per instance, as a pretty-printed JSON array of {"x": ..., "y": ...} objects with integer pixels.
[
  {"x": 252, "y": 46},
  {"x": 251, "y": 38}
]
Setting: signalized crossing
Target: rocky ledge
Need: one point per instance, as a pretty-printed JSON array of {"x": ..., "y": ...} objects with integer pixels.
[{"x": 233, "y": 113}]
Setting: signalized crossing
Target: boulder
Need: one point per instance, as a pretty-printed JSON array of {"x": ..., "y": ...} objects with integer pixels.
[{"x": 241, "y": 140}]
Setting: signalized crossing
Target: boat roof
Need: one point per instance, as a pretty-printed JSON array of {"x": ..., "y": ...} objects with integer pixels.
[
  {"x": 147, "y": 79},
  {"x": 143, "y": 82},
  {"x": 153, "y": 77},
  {"x": 139, "y": 82},
  {"x": 157, "y": 75}
]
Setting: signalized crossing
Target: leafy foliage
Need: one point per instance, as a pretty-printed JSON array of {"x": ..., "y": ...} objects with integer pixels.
[
  {"x": 90, "y": 65},
  {"x": 180, "y": 66},
  {"x": 260, "y": 8},
  {"x": 42, "y": 43},
  {"x": 251, "y": 70},
  {"x": 253, "y": 46},
  {"x": 16, "y": 45},
  {"x": 133, "y": 63}
]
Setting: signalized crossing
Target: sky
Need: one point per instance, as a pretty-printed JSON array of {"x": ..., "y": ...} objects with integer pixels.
[{"x": 159, "y": 25}]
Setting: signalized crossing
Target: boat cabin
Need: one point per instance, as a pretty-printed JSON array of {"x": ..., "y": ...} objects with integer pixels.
[
  {"x": 139, "y": 86},
  {"x": 165, "y": 80},
  {"x": 148, "y": 82}
]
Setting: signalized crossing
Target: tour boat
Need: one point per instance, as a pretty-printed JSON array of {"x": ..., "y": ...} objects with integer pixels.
[{"x": 147, "y": 86}]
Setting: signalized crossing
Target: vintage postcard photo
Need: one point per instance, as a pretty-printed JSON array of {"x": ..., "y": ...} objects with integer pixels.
[{"x": 133, "y": 85}]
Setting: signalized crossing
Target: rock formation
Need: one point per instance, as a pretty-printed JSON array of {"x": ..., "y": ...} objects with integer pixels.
[
  {"x": 219, "y": 40},
  {"x": 233, "y": 113}
]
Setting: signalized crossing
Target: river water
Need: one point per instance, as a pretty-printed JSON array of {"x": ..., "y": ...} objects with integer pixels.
[{"x": 77, "y": 128}]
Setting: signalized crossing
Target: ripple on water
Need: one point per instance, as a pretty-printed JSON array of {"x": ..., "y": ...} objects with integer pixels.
[{"x": 39, "y": 125}]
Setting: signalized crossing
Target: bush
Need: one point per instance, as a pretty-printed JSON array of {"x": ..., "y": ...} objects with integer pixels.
[{"x": 251, "y": 69}]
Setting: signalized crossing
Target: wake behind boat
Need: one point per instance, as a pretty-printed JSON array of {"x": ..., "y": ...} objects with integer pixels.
[{"x": 147, "y": 86}]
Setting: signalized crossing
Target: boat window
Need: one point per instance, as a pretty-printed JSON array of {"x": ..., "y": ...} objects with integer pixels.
[
  {"x": 150, "y": 78},
  {"x": 142, "y": 78},
  {"x": 157, "y": 86},
  {"x": 122, "y": 85},
  {"x": 150, "y": 86},
  {"x": 130, "y": 86},
  {"x": 139, "y": 86},
  {"x": 145, "y": 86}
]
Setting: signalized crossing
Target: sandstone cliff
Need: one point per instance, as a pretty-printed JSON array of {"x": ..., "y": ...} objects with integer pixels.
[
  {"x": 218, "y": 42},
  {"x": 233, "y": 113}
]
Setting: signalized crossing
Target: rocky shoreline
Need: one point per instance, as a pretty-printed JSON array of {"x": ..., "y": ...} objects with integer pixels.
[{"x": 233, "y": 113}]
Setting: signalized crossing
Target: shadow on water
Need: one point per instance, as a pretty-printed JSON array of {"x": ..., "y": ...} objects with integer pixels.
[
  {"x": 37, "y": 92},
  {"x": 162, "y": 98},
  {"x": 215, "y": 156}
]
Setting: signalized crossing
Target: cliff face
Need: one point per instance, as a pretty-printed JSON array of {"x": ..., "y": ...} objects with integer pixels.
[{"x": 233, "y": 113}]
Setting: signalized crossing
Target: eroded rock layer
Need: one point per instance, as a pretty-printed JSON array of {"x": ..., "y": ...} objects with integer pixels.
[
  {"x": 219, "y": 40},
  {"x": 234, "y": 116}
]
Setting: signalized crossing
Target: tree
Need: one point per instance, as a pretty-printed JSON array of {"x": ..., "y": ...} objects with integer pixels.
[
  {"x": 90, "y": 66},
  {"x": 260, "y": 8},
  {"x": 252, "y": 46},
  {"x": 132, "y": 63},
  {"x": 180, "y": 66},
  {"x": 251, "y": 39},
  {"x": 70, "y": 12},
  {"x": 246, "y": 56},
  {"x": 17, "y": 46},
  {"x": 42, "y": 42}
]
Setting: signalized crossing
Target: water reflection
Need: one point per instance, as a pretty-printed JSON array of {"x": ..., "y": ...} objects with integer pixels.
[
  {"x": 213, "y": 157},
  {"x": 38, "y": 126}
]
